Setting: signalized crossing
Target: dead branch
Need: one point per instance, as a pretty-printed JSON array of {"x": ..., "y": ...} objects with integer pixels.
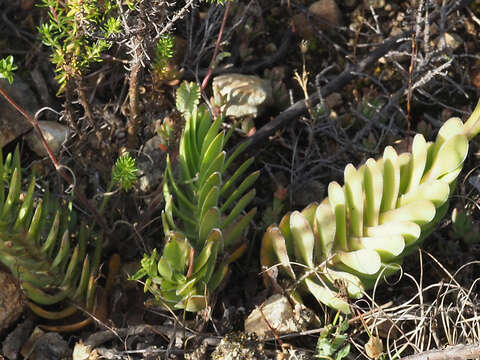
[{"x": 102, "y": 337}]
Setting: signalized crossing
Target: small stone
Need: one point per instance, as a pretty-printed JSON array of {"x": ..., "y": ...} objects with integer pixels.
[
  {"x": 12, "y": 302},
  {"x": 475, "y": 77},
  {"x": 451, "y": 41},
  {"x": 246, "y": 95},
  {"x": 50, "y": 346},
  {"x": 54, "y": 133},
  {"x": 12, "y": 123},
  {"x": 334, "y": 99},
  {"x": 395, "y": 31},
  {"x": 302, "y": 26},
  {"x": 326, "y": 13},
  {"x": 279, "y": 314},
  {"x": 16, "y": 339},
  {"x": 151, "y": 164}
]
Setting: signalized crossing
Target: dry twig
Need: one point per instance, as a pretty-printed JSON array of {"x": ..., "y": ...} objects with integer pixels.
[{"x": 457, "y": 352}]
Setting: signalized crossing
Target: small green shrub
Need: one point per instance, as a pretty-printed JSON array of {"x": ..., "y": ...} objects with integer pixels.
[
  {"x": 203, "y": 217},
  {"x": 364, "y": 229}
]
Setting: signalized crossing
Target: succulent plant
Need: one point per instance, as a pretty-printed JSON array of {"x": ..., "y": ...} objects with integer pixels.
[
  {"x": 363, "y": 229},
  {"x": 40, "y": 245},
  {"x": 203, "y": 219}
]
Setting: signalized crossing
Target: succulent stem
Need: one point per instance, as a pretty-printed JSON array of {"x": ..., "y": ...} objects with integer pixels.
[{"x": 472, "y": 126}]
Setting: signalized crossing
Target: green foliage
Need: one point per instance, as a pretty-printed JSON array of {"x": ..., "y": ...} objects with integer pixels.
[
  {"x": 219, "y": 2},
  {"x": 188, "y": 98},
  {"x": 70, "y": 34},
  {"x": 273, "y": 213},
  {"x": 166, "y": 133},
  {"x": 124, "y": 172},
  {"x": 464, "y": 227},
  {"x": 164, "y": 54},
  {"x": 203, "y": 219},
  {"x": 7, "y": 67},
  {"x": 331, "y": 342},
  {"x": 364, "y": 229},
  {"x": 39, "y": 243}
]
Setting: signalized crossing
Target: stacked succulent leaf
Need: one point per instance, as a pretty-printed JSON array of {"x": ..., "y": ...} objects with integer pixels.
[
  {"x": 37, "y": 245},
  {"x": 363, "y": 229},
  {"x": 204, "y": 220}
]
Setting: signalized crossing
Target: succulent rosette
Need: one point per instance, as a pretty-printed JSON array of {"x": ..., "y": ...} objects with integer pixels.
[{"x": 363, "y": 229}]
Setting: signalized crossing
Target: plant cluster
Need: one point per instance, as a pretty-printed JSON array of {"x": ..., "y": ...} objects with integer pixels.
[
  {"x": 78, "y": 32},
  {"x": 203, "y": 221},
  {"x": 164, "y": 53},
  {"x": 55, "y": 259},
  {"x": 7, "y": 67},
  {"x": 124, "y": 172},
  {"x": 363, "y": 229},
  {"x": 332, "y": 342}
]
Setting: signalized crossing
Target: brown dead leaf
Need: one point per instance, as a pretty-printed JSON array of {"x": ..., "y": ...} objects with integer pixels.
[{"x": 374, "y": 347}]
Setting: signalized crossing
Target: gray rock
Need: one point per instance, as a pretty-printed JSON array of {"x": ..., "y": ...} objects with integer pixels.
[
  {"x": 151, "y": 166},
  {"x": 16, "y": 339},
  {"x": 326, "y": 13},
  {"x": 446, "y": 40},
  {"x": 50, "y": 346},
  {"x": 54, "y": 133},
  {"x": 12, "y": 123},
  {"x": 246, "y": 95},
  {"x": 12, "y": 302},
  {"x": 281, "y": 316},
  {"x": 333, "y": 100}
]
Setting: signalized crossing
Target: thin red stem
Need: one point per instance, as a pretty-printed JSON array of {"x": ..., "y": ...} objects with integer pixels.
[{"x": 217, "y": 47}]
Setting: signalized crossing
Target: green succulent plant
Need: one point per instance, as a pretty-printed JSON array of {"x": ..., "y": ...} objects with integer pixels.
[
  {"x": 40, "y": 245},
  {"x": 124, "y": 173},
  {"x": 204, "y": 219},
  {"x": 7, "y": 67},
  {"x": 363, "y": 229}
]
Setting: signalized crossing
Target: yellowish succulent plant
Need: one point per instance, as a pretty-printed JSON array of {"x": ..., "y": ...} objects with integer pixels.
[{"x": 364, "y": 228}]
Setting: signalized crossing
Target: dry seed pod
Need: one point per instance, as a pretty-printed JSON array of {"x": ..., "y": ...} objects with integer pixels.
[{"x": 365, "y": 228}]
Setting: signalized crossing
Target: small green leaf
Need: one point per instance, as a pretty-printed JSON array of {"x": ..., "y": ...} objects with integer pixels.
[
  {"x": 420, "y": 212},
  {"x": 391, "y": 179},
  {"x": 327, "y": 296},
  {"x": 7, "y": 67},
  {"x": 303, "y": 238},
  {"x": 336, "y": 198},
  {"x": 188, "y": 96},
  {"x": 324, "y": 230},
  {"x": 210, "y": 220},
  {"x": 364, "y": 261},
  {"x": 354, "y": 199},
  {"x": 280, "y": 248}
]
